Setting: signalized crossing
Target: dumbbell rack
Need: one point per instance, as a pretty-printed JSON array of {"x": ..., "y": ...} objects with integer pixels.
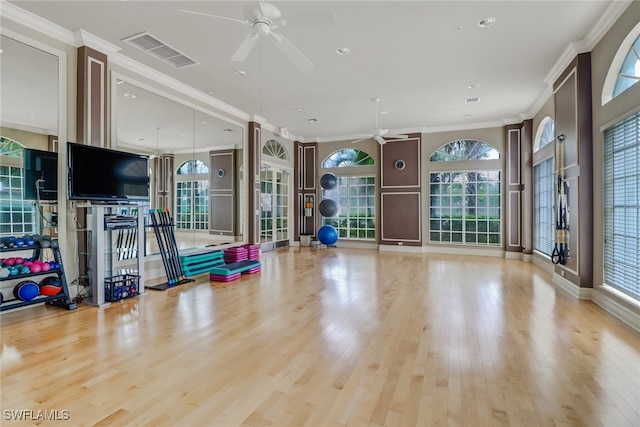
[{"x": 63, "y": 299}]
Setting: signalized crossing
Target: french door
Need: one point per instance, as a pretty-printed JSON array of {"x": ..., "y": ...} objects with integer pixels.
[
  {"x": 274, "y": 207},
  {"x": 192, "y": 205}
]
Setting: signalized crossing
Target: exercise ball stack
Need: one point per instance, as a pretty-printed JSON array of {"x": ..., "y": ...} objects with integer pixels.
[{"x": 327, "y": 234}]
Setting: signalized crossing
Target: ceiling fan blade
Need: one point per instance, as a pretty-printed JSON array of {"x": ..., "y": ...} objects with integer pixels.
[
  {"x": 396, "y": 136},
  {"x": 293, "y": 53},
  {"x": 241, "y": 21},
  {"x": 245, "y": 47},
  {"x": 380, "y": 140}
]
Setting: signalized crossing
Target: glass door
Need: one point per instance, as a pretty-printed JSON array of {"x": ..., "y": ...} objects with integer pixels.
[
  {"x": 192, "y": 205},
  {"x": 274, "y": 207}
]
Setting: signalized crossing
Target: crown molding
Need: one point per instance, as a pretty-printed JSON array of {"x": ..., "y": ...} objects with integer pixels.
[
  {"x": 83, "y": 38},
  {"x": 35, "y": 23},
  {"x": 604, "y": 24}
]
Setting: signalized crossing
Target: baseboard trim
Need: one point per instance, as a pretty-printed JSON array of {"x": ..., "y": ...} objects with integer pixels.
[
  {"x": 395, "y": 248},
  {"x": 610, "y": 303},
  {"x": 572, "y": 288},
  {"x": 543, "y": 262},
  {"x": 461, "y": 250}
]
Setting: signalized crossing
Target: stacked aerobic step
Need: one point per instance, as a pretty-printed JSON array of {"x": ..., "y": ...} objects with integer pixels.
[
  {"x": 201, "y": 263},
  {"x": 235, "y": 254},
  {"x": 236, "y": 263},
  {"x": 253, "y": 251}
]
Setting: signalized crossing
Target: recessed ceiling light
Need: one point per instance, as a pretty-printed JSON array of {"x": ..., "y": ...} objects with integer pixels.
[
  {"x": 33, "y": 117},
  {"x": 227, "y": 130},
  {"x": 473, "y": 85},
  {"x": 472, "y": 100},
  {"x": 313, "y": 120},
  {"x": 486, "y": 22},
  {"x": 343, "y": 51},
  {"x": 183, "y": 135},
  {"x": 240, "y": 72},
  {"x": 297, "y": 110},
  {"x": 384, "y": 113},
  {"x": 129, "y": 95},
  {"x": 142, "y": 139},
  {"x": 204, "y": 122},
  {"x": 119, "y": 82}
]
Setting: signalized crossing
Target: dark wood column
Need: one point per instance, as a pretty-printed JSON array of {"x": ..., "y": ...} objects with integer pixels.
[
  {"x": 513, "y": 189},
  {"x": 305, "y": 160},
  {"x": 572, "y": 96},
  {"x": 91, "y": 116},
  {"x": 400, "y": 192},
  {"x": 253, "y": 179}
]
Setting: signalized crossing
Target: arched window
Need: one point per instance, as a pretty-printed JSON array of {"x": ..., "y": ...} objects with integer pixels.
[
  {"x": 275, "y": 149},
  {"x": 10, "y": 148},
  {"x": 545, "y": 134},
  {"x": 191, "y": 167},
  {"x": 624, "y": 71},
  {"x": 348, "y": 157},
  {"x": 464, "y": 149},
  {"x": 630, "y": 70}
]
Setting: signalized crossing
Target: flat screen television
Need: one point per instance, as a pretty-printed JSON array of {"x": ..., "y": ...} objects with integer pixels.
[
  {"x": 104, "y": 175},
  {"x": 40, "y": 175}
]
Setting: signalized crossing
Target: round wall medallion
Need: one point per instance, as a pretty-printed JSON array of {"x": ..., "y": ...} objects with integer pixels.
[
  {"x": 220, "y": 173},
  {"x": 399, "y": 165}
]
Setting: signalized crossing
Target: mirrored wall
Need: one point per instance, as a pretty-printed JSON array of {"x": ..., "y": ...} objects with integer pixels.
[
  {"x": 29, "y": 120},
  {"x": 184, "y": 144}
]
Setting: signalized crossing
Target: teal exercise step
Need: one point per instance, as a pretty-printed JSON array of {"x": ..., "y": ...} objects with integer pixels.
[
  {"x": 234, "y": 268},
  {"x": 201, "y": 263}
]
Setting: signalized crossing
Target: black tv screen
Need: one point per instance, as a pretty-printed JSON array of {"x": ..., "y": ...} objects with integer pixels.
[
  {"x": 101, "y": 174},
  {"x": 40, "y": 169}
]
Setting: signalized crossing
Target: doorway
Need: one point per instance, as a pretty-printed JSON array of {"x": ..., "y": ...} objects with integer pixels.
[{"x": 274, "y": 207}]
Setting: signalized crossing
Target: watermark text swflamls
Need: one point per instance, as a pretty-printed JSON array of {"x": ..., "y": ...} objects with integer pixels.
[{"x": 37, "y": 415}]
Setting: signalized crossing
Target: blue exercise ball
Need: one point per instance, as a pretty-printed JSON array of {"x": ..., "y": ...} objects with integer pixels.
[
  {"x": 328, "y": 208},
  {"x": 26, "y": 290},
  {"x": 328, "y": 235},
  {"x": 328, "y": 181}
]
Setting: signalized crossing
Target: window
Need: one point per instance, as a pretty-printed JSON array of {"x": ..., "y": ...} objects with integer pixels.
[
  {"x": 624, "y": 70},
  {"x": 545, "y": 134},
  {"x": 622, "y": 206},
  {"x": 192, "y": 205},
  {"x": 630, "y": 70},
  {"x": 192, "y": 166},
  {"x": 543, "y": 195},
  {"x": 464, "y": 149},
  {"x": 192, "y": 196},
  {"x": 348, "y": 157},
  {"x": 275, "y": 149},
  {"x": 356, "y": 199},
  {"x": 17, "y": 216},
  {"x": 465, "y": 208}
]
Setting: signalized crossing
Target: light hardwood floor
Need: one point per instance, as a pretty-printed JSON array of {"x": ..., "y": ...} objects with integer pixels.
[{"x": 333, "y": 337}]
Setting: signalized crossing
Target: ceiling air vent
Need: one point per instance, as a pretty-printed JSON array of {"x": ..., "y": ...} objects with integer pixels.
[
  {"x": 472, "y": 100},
  {"x": 154, "y": 47}
]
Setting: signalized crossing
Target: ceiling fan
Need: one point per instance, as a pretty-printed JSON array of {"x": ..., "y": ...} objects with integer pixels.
[
  {"x": 379, "y": 134},
  {"x": 264, "y": 18}
]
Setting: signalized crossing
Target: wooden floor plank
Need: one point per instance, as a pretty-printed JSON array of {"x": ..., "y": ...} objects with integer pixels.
[{"x": 342, "y": 337}]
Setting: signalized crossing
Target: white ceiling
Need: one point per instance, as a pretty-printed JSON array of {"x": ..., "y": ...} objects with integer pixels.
[{"x": 418, "y": 57}]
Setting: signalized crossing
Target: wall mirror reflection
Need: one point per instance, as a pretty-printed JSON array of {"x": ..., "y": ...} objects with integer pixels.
[
  {"x": 196, "y": 165},
  {"x": 28, "y": 139}
]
